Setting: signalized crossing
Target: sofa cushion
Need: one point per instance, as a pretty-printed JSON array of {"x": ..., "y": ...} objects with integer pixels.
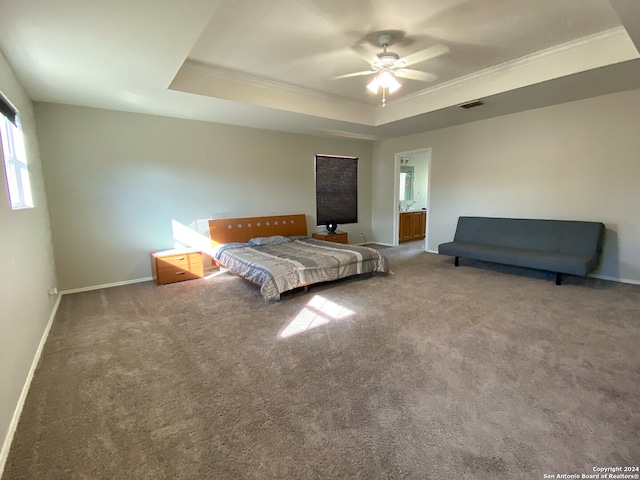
[
  {"x": 489, "y": 253},
  {"x": 559, "y": 236},
  {"x": 555, "y": 262}
]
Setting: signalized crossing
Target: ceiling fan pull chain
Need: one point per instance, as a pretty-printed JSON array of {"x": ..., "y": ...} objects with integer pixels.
[{"x": 384, "y": 99}]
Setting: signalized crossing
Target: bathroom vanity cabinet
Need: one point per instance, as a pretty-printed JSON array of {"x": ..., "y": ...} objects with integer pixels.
[{"x": 413, "y": 225}]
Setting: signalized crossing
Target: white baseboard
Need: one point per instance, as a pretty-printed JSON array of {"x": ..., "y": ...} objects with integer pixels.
[
  {"x": 106, "y": 285},
  {"x": 615, "y": 279},
  {"x": 6, "y": 446}
]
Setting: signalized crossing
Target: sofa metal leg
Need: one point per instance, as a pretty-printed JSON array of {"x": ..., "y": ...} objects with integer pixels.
[
  {"x": 558, "y": 278},
  {"x": 457, "y": 262}
]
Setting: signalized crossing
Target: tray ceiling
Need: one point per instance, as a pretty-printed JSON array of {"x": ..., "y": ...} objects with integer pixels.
[{"x": 273, "y": 64}]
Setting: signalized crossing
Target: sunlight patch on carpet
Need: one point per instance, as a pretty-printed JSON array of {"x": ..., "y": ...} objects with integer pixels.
[{"x": 319, "y": 311}]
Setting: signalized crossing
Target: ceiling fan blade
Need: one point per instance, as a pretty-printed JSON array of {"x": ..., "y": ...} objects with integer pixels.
[
  {"x": 355, "y": 74},
  {"x": 416, "y": 75},
  {"x": 423, "y": 55}
]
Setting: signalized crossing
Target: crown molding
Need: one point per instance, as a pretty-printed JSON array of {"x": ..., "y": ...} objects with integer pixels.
[
  {"x": 261, "y": 82},
  {"x": 520, "y": 62},
  {"x": 617, "y": 37},
  {"x": 215, "y": 82},
  {"x": 586, "y": 53}
]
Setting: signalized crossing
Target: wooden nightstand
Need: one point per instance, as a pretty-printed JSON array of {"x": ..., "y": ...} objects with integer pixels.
[
  {"x": 338, "y": 237},
  {"x": 176, "y": 265}
]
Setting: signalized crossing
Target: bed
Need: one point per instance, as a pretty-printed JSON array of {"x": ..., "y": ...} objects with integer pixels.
[{"x": 276, "y": 254}]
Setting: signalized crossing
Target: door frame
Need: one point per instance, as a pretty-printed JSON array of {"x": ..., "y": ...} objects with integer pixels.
[{"x": 396, "y": 192}]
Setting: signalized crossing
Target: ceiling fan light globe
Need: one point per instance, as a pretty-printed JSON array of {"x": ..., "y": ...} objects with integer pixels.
[
  {"x": 374, "y": 85},
  {"x": 394, "y": 87},
  {"x": 387, "y": 80}
]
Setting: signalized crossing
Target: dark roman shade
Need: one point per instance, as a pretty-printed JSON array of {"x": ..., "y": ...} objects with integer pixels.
[{"x": 336, "y": 189}]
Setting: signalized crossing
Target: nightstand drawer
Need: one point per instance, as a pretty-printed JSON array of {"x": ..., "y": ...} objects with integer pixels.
[
  {"x": 338, "y": 237},
  {"x": 176, "y": 266},
  {"x": 171, "y": 276},
  {"x": 180, "y": 261}
]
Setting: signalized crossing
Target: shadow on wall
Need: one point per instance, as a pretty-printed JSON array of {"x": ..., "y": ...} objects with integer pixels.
[{"x": 610, "y": 261}]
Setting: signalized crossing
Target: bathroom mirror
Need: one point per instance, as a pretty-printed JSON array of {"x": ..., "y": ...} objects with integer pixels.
[{"x": 406, "y": 183}]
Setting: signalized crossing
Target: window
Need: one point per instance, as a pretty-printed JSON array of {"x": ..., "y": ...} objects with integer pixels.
[
  {"x": 15, "y": 160},
  {"x": 336, "y": 189}
]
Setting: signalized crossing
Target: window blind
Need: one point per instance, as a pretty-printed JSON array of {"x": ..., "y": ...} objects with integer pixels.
[
  {"x": 8, "y": 111},
  {"x": 336, "y": 189}
]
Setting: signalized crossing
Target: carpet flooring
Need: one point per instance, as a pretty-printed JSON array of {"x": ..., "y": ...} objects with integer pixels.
[{"x": 434, "y": 372}]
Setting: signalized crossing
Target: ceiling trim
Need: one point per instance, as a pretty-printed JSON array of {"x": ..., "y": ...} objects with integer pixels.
[
  {"x": 202, "y": 79},
  {"x": 248, "y": 79},
  {"x": 594, "y": 51},
  {"x": 518, "y": 62}
]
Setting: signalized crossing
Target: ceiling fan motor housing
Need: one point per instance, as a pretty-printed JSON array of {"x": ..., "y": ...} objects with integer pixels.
[
  {"x": 384, "y": 40},
  {"x": 385, "y": 59},
  {"x": 388, "y": 58}
]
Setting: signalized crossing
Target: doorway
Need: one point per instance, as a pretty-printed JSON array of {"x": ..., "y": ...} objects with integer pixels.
[{"x": 411, "y": 191}]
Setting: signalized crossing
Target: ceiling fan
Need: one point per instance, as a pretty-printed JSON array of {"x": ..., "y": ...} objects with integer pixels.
[{"x": 388, "y": 65}]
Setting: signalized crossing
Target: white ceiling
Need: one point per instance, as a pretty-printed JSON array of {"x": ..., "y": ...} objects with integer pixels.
[{"x": 272, "y": 64}]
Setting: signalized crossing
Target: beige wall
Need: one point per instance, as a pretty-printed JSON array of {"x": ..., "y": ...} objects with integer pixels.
[
  {"x": 116, "y": 181},
  {"x": 27, "y": 268},
  {"x": 579, "y": 160}
]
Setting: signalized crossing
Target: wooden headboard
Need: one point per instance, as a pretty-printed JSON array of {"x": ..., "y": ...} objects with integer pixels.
[{"x": 227, "y": 230}]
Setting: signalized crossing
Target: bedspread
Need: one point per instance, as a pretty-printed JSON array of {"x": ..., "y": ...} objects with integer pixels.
[{"x": 279, "y": 268}]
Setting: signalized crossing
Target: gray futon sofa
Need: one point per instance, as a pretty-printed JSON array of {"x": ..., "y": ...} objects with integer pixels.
[{"x": 560, "y": 246}]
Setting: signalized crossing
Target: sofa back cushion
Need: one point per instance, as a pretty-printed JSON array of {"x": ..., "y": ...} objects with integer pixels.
[{"x": 558, "y": 236}]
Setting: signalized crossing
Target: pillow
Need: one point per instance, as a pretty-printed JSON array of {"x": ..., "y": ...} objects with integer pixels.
[{"x": 275, "y": 240}]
